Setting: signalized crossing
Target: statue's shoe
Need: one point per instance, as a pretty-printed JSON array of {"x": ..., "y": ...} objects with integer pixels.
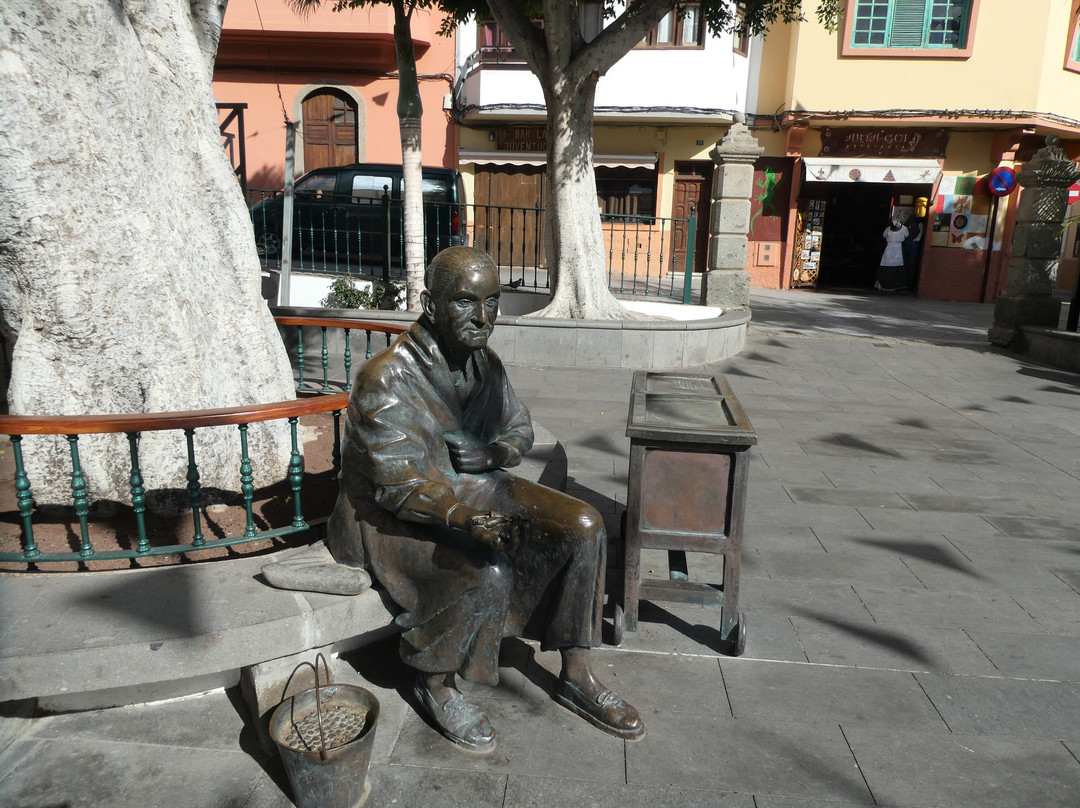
[
  {"x": 459, "y": 720},
  {"x": 607, "y": 711}
]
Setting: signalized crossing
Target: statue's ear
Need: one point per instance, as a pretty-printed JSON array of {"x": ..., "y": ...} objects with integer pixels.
[{"x": 427, "y": 304}]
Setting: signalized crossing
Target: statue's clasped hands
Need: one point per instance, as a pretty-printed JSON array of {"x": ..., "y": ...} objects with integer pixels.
[{"x": 473, "y": 457}]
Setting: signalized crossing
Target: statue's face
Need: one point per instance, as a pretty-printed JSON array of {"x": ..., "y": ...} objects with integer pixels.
[{"x": 465, "y": 314}]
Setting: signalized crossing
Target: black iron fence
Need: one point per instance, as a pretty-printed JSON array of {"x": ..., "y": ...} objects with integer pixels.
[{"x": 645, "y": 255}]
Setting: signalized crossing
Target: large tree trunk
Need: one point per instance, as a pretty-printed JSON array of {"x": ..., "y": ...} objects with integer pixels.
[
  {"x": 574, "y": 239},
  {"x": 128, "y": 275},
  {"x": 568, "y": 69},
  {"x": 410, "y": 110}
]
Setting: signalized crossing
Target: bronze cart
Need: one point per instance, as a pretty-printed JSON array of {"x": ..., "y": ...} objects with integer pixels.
[{"x": 687, "y": 493}]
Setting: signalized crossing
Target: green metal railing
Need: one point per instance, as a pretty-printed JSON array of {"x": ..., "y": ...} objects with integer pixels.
[
  {"x": 359, "y": 240},
  {"x": 133, "y": 426}
]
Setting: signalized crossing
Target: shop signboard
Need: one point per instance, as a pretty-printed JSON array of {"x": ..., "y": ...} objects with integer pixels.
[{"x": 880, "y": 141}]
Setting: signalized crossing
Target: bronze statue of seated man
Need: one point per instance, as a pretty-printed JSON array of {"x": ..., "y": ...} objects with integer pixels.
[{"x": 471, "y": 553}]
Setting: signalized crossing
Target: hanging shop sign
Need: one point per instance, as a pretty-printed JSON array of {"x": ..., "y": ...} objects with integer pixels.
[
  {"x": 876, "y": 141},
  {"x": 1002, "y": 181}
]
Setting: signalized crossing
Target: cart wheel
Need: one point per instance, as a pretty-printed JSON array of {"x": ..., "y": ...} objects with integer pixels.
[
  {"x": 618, "y": 624},
  {"x": 736, "y": 638}
]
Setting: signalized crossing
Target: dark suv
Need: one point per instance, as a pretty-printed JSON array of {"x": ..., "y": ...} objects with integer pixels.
[{"x": 353, "y": 214}]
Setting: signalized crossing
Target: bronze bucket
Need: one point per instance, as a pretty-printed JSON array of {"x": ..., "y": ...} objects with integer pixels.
[{"x": 325, "y": 737}]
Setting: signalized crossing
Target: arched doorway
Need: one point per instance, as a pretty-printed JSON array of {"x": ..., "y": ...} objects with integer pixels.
[{"x": 330, "y": 129}]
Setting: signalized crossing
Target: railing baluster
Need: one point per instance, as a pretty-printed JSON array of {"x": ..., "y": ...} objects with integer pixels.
[
  {"x": 296, "y": 475},
  {"x": 194, "y": 490},
  {"x": 367, "y": 355},
  {"x": 138, "y": 494},
  {"x": 337, "y": 444},
  {"x": 300, "y": 356},
  {"x": 325, "y": 363},
  {"x": 348, "y": 363},
  {"x": 78, "y": 495},
  {"x": 25, "y": 498},
  {"x": 247, "y": 487}
]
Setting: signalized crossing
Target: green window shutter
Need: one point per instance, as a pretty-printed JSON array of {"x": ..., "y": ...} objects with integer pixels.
[
  {"x": 1076, "y": 43},
  {"x": 908, "y": 24}
]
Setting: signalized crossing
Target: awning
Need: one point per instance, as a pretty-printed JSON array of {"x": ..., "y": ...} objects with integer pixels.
[
  {"x": 513, "y": 158},
  {"x": 869, "y": 169}
]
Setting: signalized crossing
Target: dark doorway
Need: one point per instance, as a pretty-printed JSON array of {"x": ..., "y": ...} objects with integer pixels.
[{"x": 851, "y": 241}]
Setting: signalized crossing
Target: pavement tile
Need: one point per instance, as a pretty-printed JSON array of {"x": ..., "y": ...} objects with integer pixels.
[
  {"x": 946, "y": 609},
  {"x": 1044, "y": 529},
  {"x": 847, "y": 496},
  {"x": 1031, "y": 655},
  {"x": 785, "y": 597},
  {"x": 838, "y": 568},
  {"x": 827, "y": 694},
  {"x": 546, "y": 792},
  {"x": 941, "y": 770},
  {"x": 792, "y": 802},
  {"x": 746, "y": 755},
  {"x": 988, "y": 573},
  {"x": 82, "y": 774},
  {"x": 404, "y": 786},
  {"x": 1000, "y": 706},
  {"x": 1056, "y": 614},
  {"x": 871, "y": 645},
  {"x": 921, "y": 523}
]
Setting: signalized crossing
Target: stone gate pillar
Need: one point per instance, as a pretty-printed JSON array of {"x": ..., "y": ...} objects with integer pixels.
[
  {"x": 726, "y": 282},
  {"x": 1036, "y": 248}
]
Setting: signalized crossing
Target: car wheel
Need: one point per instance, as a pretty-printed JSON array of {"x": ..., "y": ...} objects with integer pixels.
[{"x": 267, "y": 244}]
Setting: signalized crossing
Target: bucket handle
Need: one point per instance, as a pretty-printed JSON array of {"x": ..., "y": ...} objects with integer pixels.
[{"x": 318, "y": 703}]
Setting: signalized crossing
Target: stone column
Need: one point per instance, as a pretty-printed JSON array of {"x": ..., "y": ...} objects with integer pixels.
[
  {"x": 726, "y": 282},
  {"x": 1036, "y": 248}
]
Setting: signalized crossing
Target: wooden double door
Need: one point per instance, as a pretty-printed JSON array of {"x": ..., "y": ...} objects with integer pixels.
[
  {"x": 330, "y": 129},
  {"x": 508, "y": 221}
]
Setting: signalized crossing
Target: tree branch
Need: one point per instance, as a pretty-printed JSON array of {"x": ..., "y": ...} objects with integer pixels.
[
  {"x": 625, "y": 31},
  {"x": 519, "y": 29}
]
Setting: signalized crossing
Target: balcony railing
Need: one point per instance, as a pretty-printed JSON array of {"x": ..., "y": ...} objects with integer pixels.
[{"x": 77, "y": 517}]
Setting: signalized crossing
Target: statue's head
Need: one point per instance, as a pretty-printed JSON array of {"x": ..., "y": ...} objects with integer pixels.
[{"x": 462, "y": 298}]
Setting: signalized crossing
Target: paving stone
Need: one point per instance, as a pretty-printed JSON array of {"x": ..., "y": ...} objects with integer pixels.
[
  {"x": 403, "y": 786},
  {"x": 871, "y": 645},
  {"x": 946, "y": 609},
  {"x": 838, "y": 568},
  {"x": 1004, "y": 706},
  {"x": 1043, "y": 529},
  {"x": 847, "y": 496},
  {"x": 545, "y": 792},
  {"x": 747, "y": 755},
  {"x": 785, "y": 597},
  {"x": 1031, "y": 655},
  {"x": 1056, "y": 614},
  {"x": 827, "y": 694},
  {"x": 941, "y": 770},
  {"x": 78, "y": 774}
]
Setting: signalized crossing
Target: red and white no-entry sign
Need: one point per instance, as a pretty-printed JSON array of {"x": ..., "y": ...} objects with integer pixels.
[{"x": 1074, "y": 193}]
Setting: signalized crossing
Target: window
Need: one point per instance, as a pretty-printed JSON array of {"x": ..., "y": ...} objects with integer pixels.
[
  {"x": 626, "y": 191},
  {"x": 365, "y": 186},
  {"x": 1072, "y": 55},
  {"x": 740, "y": 43},
  {"x": 674, "y": 31},
  {"x": 941, "y": 26}
]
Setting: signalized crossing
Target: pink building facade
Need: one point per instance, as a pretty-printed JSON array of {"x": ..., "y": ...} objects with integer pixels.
[{"x": 334, "y": 75}]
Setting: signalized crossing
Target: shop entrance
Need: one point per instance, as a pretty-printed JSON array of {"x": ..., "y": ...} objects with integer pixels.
[{"x": 855, "y": 215}]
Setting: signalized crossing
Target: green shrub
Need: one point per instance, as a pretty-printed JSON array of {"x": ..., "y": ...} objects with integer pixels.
[{"x": 343, "y": 295}]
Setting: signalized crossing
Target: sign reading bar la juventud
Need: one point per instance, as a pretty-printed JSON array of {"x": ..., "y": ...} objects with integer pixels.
[
  {"x": 874, "y": 141},
  {"x": 523, "y": 138}
]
